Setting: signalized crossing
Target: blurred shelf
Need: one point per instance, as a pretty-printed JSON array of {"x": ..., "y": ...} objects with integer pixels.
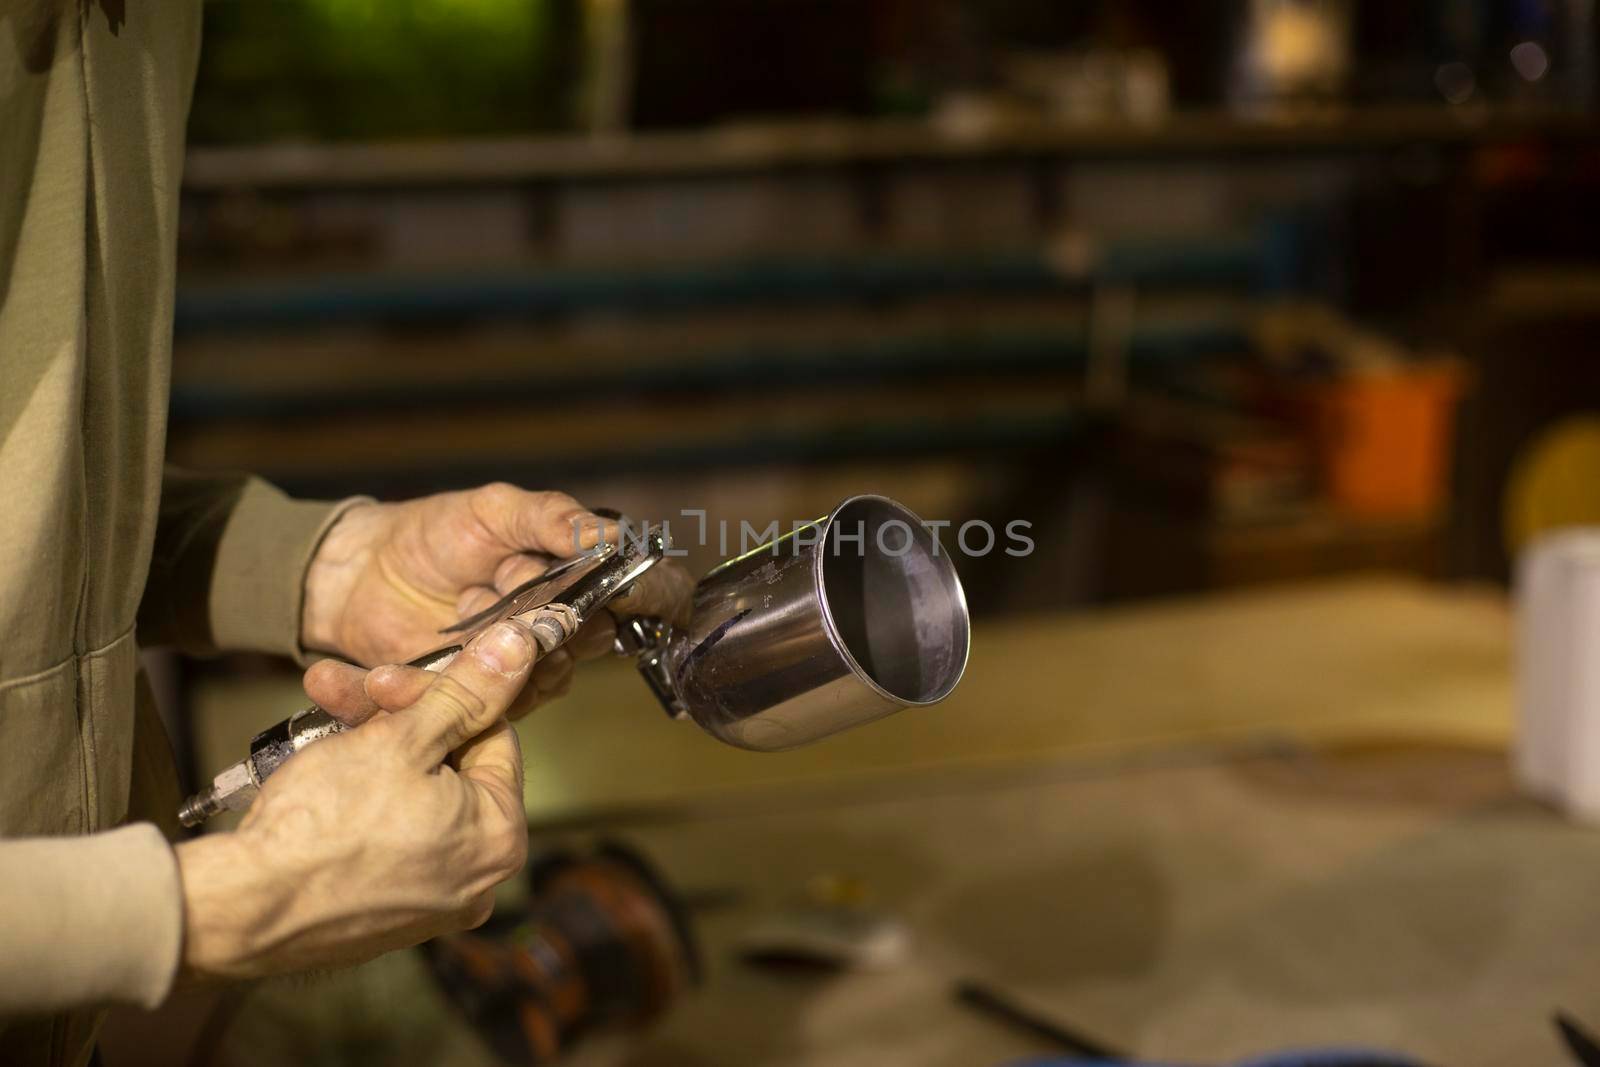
[
  {"x": 746, "y": 149},
  {"x": 250, "y": 393},
  {"x": 400, "y": 458},
  {"x": 1561, "y": 290},
  {"x": 1219, "y": 260}
]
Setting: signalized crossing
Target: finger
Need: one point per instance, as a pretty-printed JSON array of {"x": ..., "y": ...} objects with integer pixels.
[
  {"x": 596, "y": 638},
  {"x": 337, "y": 688},
  {"x": 474, "y": 599},
  {"x": 548, "y": 522},
  {"x": 552, "y": 670},
  {"x": 665, "y": 591},
  {"x": 517, "y": 568},
  {"x": 552, "y": 678},
  {"x": 471, "y": 694},
  {"x": 396, "y": 687},
  {"x": 524, "y": 705},
  {"x": 558, "y": 692},
  {"x": 493, "y": 760}
]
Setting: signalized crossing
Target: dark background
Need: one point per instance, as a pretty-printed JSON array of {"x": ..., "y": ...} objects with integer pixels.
[{"x": 1019, "y": 260}]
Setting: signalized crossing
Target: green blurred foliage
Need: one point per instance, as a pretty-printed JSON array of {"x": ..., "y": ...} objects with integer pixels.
[{"x": 375, "y": 69}]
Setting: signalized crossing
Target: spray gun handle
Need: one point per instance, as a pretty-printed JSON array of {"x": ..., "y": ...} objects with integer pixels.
[{"x": 235, "y": 788}]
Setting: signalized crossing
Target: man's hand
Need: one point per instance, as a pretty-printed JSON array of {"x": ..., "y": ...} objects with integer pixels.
[
  {"x": 374, "y": 839},
  {"x": 388, "y": 577}
]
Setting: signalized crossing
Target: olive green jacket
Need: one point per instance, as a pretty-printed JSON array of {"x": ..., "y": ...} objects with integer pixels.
[{"x": 100, "y": 549}]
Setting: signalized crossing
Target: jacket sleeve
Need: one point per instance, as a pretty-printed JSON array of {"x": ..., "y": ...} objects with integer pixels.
[
  {"x": 228, "y": 569},
  {"x": 88, "y": 920}
]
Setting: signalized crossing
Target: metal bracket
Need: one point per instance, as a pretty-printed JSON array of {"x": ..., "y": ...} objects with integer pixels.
[{"x": 647, "y": 639}]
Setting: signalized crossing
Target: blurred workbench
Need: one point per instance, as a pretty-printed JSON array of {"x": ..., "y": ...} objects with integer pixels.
[
  {"x": 1345, "y": 660},
  {"x": 742, "y": 148},
  {"x": 1193, "y": 831}
]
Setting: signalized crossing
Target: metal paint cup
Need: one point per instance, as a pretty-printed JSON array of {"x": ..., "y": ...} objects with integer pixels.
[{"x": 840, "y": 622}]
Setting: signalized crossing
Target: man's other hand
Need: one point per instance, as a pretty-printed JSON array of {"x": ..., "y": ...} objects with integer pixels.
[
  {"x": 374, "y": 839},
  {"x": 389, "y": 577}
]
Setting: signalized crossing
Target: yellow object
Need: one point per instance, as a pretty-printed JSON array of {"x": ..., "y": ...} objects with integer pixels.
[{"x": 1555, "y": 483}]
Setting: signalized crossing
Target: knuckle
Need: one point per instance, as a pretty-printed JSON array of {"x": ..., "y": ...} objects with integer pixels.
[
  {"x": 477, "y": 912},
  {"x": 382, "y": 738},
  {"x": 454, "y": 698},
  {"x": 323, "y": 670},
  {"x": 498, "y": 492},
  {"x": 565, "y": 512},
  {"x": 557, "y": 501}
]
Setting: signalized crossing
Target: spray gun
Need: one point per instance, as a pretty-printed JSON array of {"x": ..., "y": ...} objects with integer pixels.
[{"x": 841, "y": 621}]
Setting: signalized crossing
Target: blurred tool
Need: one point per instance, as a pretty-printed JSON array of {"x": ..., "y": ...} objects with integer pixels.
[
  {"x": 603, "y": 941},
  {"x": 1086, "y": 1052},
  {"x": 832, "y": 928},
  {"x": 1331, "y": 1057},
  {"x": 991, "y": 1002},
  {"x": 1583, "y": 1046}
]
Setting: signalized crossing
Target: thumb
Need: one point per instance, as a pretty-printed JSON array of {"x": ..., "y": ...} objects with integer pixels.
[{"x": 471, "y": 694}]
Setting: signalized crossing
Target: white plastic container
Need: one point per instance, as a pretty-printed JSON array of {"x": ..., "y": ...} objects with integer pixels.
[{"x": 1557, "y": 756}]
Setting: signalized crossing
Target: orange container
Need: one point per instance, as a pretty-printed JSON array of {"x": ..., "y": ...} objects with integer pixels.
[{"x": 1384, "y": 438}]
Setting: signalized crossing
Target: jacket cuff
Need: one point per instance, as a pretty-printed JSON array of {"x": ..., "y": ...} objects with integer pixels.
[
  {"x": 97, "y": 919},
  {"x": 258, "y": 586}
]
